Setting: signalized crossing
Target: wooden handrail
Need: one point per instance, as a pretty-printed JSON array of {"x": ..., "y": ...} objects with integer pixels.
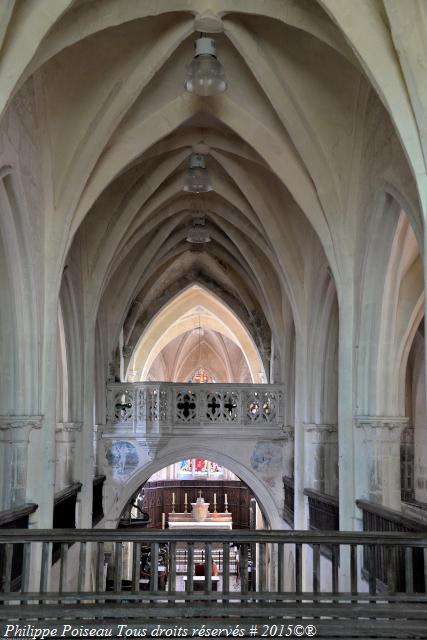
[
  {"x": 322, "y": 497},
  {"x": 323, "y": 511},
  {"x": 381, "y": 520},
  {"x": 289, "y": 499},
  {"x": 262, "y": 594},
  {"x": 66, "y": 493},
  {"x": 238, "y": 537},
  {"x": 9, "y": 515},
  {"x": 392, "y": 515}
]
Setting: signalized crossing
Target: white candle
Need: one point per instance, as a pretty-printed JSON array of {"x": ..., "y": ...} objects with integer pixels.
[
  {"x": 225, "y": 499},
  {"x": 185, "y": 498},
  {"x": 214, "y": 498},
  {"x": 173, "y": 498},
  {"x": 163, "y": 521}
]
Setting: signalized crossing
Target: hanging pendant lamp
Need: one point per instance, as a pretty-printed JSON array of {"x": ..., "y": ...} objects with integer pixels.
[
  {"x": 198, "y": 232},
  {"x": 197, "y": 177},
  {"x": 205, "y": 73}
]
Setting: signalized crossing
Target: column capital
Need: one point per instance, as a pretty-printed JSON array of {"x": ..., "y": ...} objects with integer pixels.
[
  {"x": 311, "y": 426},
  {"x": 68, "y": 426},
  {"x": 288, "y": 433},
  {"x": 381, "y": 422},
  {"x": 381, "y": 429},
  {"x": 20, "y": 422}
]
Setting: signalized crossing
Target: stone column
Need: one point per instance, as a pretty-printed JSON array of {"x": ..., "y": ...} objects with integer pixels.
[
  {"x": 288, "y": 454},
  {"x": 15, "y": 434},
  {"x": 65, "y": 453},
  {"x": 299, "y": 460},
  {"x": 379, "y": 441},
  {"x": 321, "y": 457}
]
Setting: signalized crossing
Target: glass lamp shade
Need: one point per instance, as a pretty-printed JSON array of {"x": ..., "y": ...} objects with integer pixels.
[
  {"x": 205, "y": 74},
  {"x": 197, "y": 177},
  {"x": 197, "y": 181},
  {"x": 198, "y": 232}
]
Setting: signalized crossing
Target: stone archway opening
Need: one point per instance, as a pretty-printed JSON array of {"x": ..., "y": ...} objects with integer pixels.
[
  {"x": 196, "y": 330},
  {"x": 170, "y": 497},
  {"x": 268, "y": 492}
]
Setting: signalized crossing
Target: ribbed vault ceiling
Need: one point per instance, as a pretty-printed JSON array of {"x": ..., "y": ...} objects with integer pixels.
[{"x": 281, "y": 146}]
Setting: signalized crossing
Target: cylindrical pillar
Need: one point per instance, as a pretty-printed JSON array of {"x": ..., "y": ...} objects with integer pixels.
[
  {"x": 65, "y": 453},
  {"x": 379, "y": 439},
  {"x": 15, "y": 434},
  {"x": 321, "y": 455}
]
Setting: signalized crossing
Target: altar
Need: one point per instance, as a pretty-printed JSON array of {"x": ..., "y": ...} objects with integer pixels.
[
  {"x": 200, "y": 517},
  {"x": 212, "y": 521}
]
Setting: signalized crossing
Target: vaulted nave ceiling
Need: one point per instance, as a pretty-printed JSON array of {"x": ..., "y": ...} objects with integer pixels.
[
  {"x": 195, "y": 313},
  {"x": 282, "y": 146}
]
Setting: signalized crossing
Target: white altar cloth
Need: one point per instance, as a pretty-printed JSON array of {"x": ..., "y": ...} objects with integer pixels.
[{"x": 193, "y": 524}]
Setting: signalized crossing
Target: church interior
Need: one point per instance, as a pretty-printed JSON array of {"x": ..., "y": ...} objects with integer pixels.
[{"x": 212, "y": 336}]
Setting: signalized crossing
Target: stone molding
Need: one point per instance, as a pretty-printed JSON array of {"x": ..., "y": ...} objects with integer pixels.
[
  {"x": 382, "y": 422},
  {"x": 68, "y": 426},
  {"x": 16, "y": 432},
  {"x": 311, "y": 426},
  {"x": 20, "y": 422},
  {"x": 382, "y": 429},
  {"x": 288, "y": 433}
]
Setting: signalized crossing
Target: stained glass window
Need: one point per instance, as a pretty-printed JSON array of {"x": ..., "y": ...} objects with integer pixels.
[
  {"x": 200, "y": 467},
  {"x": 201, "y": 376}
]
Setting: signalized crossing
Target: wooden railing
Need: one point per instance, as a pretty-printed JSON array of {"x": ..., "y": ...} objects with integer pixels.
[
  {"x": 289, "y": 499},
  {"x": 281, "y": 595},
  {"x": 64, "y": 512},
  {"x": 323, "y": 511},
  {"x": 12, "y": 519},
  {"x": 97, "y": 499},
  {"x": 393, "y": 568},
  {"x": 416, "y": 509}
]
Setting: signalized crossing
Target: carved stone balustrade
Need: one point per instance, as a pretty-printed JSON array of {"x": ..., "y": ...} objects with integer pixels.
[{"x": 152, "y": 410}]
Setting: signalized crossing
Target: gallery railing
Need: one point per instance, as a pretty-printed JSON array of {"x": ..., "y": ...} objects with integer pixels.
[
  {"x": 152, "y": 408},
  {"x": 324, "y": 599},
  {"x": 393, "y": 567},
  {"x": 13, "y": 519},
  {"x": 289, "y": 500},
  {"x": 323, "y": 511},
  {"x": 97, "y": 506}
]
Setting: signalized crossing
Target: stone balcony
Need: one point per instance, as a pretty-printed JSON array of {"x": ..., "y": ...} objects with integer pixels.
[{"x": 153, "y": 409}]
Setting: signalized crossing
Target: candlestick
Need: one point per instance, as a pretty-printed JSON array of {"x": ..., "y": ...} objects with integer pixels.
[
  {"x": 163, "y": 521},
  {"x": 225, "y": 503},
  {"x": 185, "y": 503},
  {"x": 214, "y": 502},
  {"x": 173, "y": 502}
]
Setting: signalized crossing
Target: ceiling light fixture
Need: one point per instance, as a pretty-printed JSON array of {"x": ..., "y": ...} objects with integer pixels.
[
  {"x": 197, "y": 176},
  {"x": 198, "y": 232},
  {"x": 205, "y": 73}
]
